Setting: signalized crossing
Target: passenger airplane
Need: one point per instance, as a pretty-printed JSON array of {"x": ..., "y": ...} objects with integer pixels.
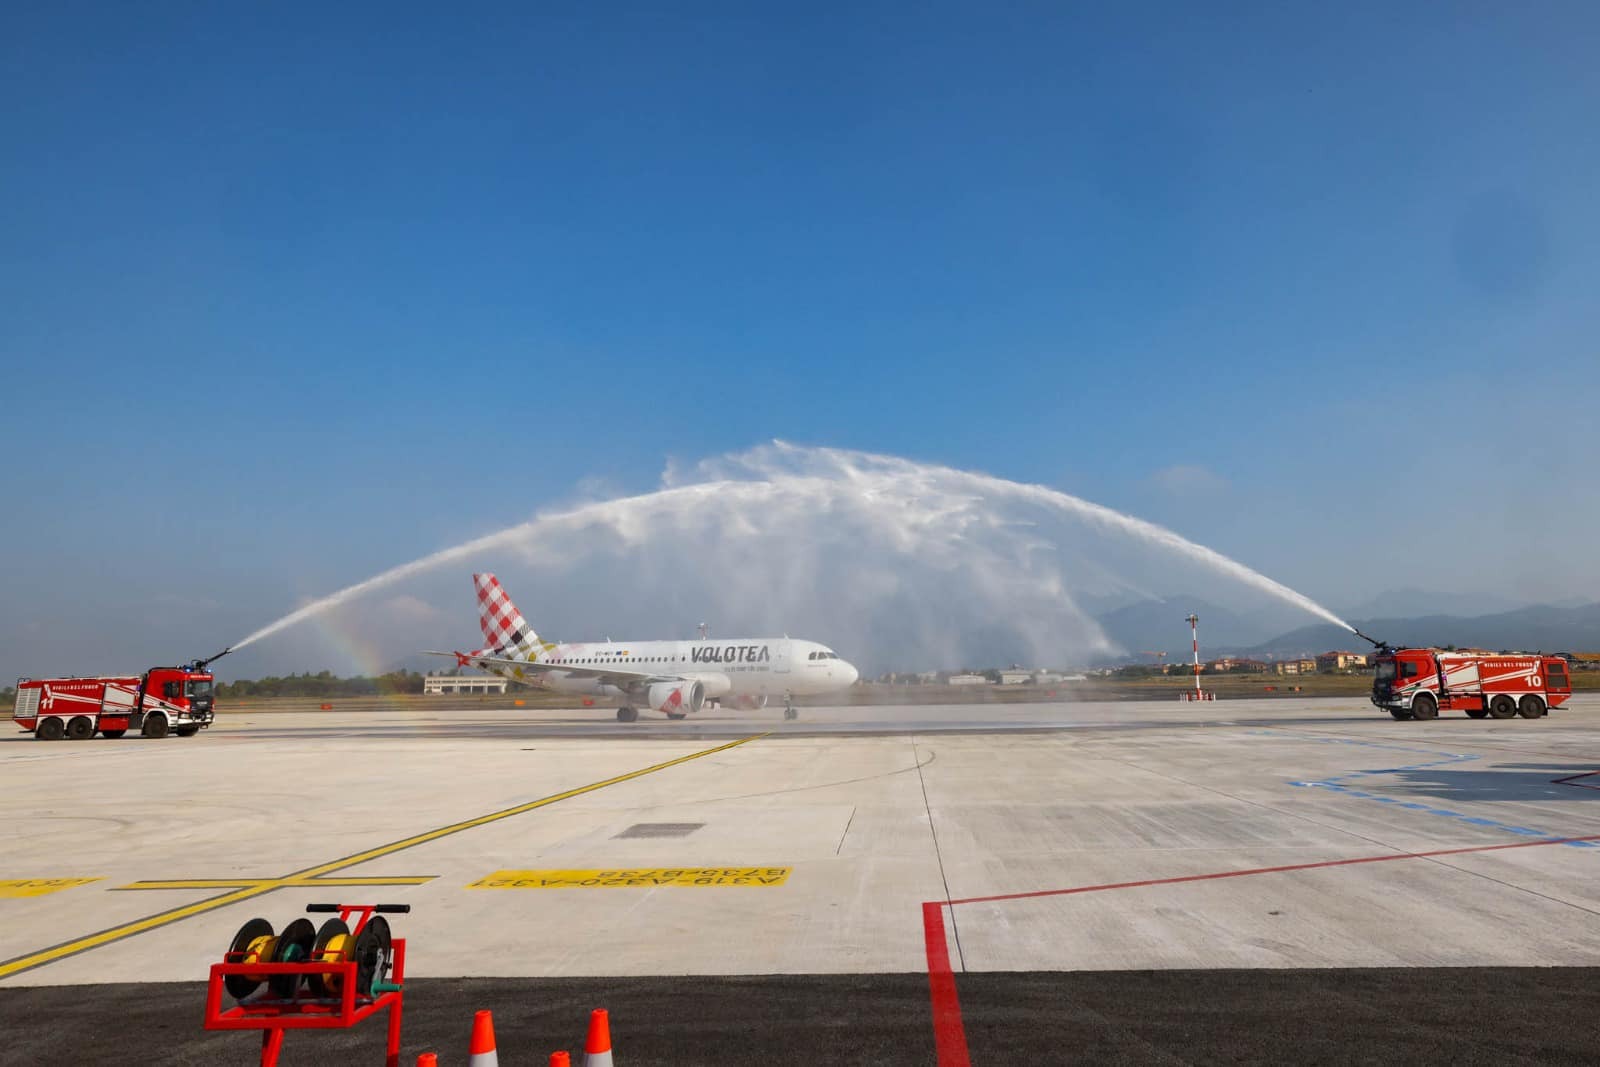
[{"x": 672, "y": 677}]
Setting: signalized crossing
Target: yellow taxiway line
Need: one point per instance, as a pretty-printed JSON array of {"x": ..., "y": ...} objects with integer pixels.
[
  {"x": 276, "y": 883},
  {"x": 247, "y": 888}
]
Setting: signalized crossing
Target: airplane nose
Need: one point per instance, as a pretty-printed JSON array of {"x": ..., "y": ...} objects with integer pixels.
[{"x": 850, "y": 673}]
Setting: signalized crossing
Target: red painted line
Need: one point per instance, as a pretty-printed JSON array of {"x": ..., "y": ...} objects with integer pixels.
[
  {"x": 1572, "y": 779},
  {"x": 1273, "y": 870},
  {"x": 949, "y": 1033}
]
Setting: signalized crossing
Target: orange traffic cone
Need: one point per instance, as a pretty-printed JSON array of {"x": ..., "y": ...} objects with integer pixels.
[
  {"x": 481, "y": 1052},
  {"x": 427, "y": 1059},
  {"x": 560, "y": 1059},
  {"x": 597, "y": 1050}
]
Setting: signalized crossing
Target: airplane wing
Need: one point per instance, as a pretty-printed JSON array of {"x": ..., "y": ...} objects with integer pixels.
[{"x": 522, "y": 670}]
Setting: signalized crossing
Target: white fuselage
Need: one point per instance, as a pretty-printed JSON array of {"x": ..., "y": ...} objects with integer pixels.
[{"x": 754, "y": 667}]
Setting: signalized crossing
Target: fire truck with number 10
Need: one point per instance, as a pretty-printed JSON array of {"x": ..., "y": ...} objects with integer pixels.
[{"x": 1418, "y": 683}]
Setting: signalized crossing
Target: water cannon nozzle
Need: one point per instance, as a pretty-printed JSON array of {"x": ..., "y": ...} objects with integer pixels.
[
  {"x": 1381, "y": 646},
  {"x": 201, "y": 664}
]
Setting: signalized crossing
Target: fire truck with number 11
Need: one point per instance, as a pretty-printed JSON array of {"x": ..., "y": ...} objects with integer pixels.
[{"x": 179, "y": 700}]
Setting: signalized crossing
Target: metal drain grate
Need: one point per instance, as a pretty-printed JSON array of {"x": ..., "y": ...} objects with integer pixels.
[{"x": 661, "y": 829}]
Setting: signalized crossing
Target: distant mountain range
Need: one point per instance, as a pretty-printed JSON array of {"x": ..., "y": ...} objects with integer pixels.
[
  {"x": 1540, "y": 628},
  {"x": 1157, "y": 625},
  {"x": 1401, "y": 603}
]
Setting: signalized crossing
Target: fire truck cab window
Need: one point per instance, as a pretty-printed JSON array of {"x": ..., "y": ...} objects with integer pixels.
[
  {"x": 1408, "y": 670},
  {"x": 1385, "y": 670},
  {"x": 201, "y": 688},
  {"x": 171, "y": 690}
]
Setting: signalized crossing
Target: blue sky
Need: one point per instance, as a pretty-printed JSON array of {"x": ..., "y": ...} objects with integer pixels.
[{"x": 1314, "y": 285}]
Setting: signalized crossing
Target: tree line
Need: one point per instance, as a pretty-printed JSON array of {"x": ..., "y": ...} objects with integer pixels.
[{"x": 322, "y": 684}]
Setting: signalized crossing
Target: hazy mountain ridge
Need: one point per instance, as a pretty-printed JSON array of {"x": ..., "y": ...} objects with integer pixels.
[
  {"x": 1158, "y": 625},
  {"x": 1399, "y": 603},
  {"x": 1537, "y": 628},
  {"x": 1161, "y": 626}
]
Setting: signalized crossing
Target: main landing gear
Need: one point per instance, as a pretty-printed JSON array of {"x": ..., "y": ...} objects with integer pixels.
[{"x": 627, "y": 714}]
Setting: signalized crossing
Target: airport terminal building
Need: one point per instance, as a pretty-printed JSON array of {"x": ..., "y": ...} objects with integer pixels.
[{"x": 462, "y": 683}]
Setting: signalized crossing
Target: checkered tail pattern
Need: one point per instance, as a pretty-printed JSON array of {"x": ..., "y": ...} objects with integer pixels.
[{"x": 505, "y": 631}]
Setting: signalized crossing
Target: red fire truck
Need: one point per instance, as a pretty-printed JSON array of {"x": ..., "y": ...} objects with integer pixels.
[
  {"x": 1418, "y": 683},
  {"x": 176, "y": 699}
]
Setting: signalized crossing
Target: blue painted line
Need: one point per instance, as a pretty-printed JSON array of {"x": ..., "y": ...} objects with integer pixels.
[{"x": 1336, "y": 784}]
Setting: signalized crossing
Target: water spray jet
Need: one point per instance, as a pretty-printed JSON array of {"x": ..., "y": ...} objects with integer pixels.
[{"x": 902, "y": 551}]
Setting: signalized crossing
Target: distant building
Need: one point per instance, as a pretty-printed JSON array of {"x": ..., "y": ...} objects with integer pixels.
[
  {"x": 1295, "y": 666},
  {"x": 1329, "y": 662},
  {"x": 462, "y": 683},
  {"x": 1236, "y": 665},
  {"x": 968, "y": 679},
  {"x": 1016, "y": 677}
]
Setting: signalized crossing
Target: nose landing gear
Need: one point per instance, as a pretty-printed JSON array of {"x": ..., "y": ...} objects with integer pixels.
[{"x": 789, "y": 711}]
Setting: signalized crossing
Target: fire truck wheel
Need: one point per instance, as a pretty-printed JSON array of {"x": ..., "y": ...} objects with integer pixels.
[
  {"x": 1477, "y": 713},
  {"x": 186, "y": 731},
  {"x": 1403, "y": 716},
  {"x": 154, "y": 725},
  {"x": 1502, "y": 707},
  {"x": 112, "y": 734},
  {"x": 1425, "y": 707},
  {"x": 51, "y": 729},
  {"x": 1530, "y": 707},
  {"x": 81, "y": 728}
]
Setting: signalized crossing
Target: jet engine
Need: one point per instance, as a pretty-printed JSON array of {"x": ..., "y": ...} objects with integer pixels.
[
  {"x": 716, "y": 684},
  {"x": 677, "y": 698}
]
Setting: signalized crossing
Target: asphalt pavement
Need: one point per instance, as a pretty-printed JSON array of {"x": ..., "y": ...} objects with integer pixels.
[{"x": 1344, "y": 1016}]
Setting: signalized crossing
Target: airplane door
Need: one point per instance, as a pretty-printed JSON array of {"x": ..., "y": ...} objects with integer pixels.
[{"x": 780, "y": 657}]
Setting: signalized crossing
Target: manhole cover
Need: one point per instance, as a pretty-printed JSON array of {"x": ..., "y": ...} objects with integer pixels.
[{"x": 661, "y": 829}]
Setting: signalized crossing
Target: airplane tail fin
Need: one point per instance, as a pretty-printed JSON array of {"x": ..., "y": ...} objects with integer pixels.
[{"x": 504, "y": 629}]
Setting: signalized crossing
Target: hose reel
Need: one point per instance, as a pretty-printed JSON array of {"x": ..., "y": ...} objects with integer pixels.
[{"x": 370, "y": 948}]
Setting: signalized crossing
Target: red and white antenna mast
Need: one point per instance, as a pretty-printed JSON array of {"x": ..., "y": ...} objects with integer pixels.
[{"x": 1194, "y": 638}]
